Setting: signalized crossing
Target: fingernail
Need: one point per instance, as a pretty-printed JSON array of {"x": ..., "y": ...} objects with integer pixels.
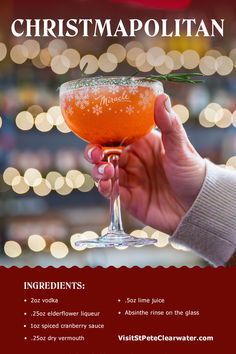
[
  {"x": 168, "y": 104},
  {"x": 101, "y": 169},
  {"x": 90, "y": 152}
]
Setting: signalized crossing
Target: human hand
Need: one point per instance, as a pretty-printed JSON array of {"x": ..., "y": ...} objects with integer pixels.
[{"x": 160, "y": 174}]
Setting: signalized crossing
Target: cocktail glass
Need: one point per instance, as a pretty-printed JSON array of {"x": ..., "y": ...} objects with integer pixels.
[{"x": 112, "y": 112}]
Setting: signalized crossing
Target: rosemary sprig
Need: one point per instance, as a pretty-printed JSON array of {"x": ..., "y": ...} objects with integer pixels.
[
  {"x": 184, "y": 77},
  {"x": 83, "y": 69}
]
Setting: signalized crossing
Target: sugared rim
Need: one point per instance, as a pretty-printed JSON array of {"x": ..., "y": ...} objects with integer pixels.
[{"x": 110, "y": 80}]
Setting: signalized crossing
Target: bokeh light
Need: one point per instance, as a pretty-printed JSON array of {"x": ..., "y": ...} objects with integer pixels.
[
  {"x": 225, "y": 118},
  {"x": 43, "y": 188},
  {"x": 75, "y": 178},
  {"x": 19, "y": 185},
  {"x": 88, "y": 184},
  {"x": 190, "y": 59},
  {"x": 203, "y": 121},
  {"x": 33, "y": 48},
  {"x": 155, "y": 56},
  {"x": 132, "y": 55},
  {"x": 59, "y": 249},
  {"x": 24, "y": 120},
  {"x": 36, "y": 243},
  {"x": 12, "y": 249},
  {"x": 56, "y": 47},
  {"x": 75, "y": 238},
  {"x": 54, "y": 115},
  {"x": 224, "y": 65},
  {"x": 107, "y": 62},
  {"x": 35, "y": 109},
  {"x": 3, "y": 51},
  {"x": 60, "y": 64},
  {"x": 52, "y": 176},
  {"x": 63, "y": 127},
  {"x": 32, "y": 177},
  {"x": 118, "y": 51},
  {"x": 92, "y": 66},
  {"x": 42, "y": 122},
  {"x": 45, "y": 57},
  {"x": 177, "y": 58},
  {"x": 162, "y": 239},
  {"x": 19, "y": 54},
  {"x": 182, "y": 112},
  {"x": 207, "y": 65},
  {"x": 9, "y": 174},
  {"x": 166, "y": 67},
  {"x": 231, "y": 162},
  {"x": 73, "y": 56}
]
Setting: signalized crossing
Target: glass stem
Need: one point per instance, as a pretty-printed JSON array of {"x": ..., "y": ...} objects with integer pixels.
[{"x": 115, "y": 221}]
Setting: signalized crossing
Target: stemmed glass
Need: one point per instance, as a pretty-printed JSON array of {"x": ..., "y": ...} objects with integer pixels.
[{"x": 112, "y": 112}]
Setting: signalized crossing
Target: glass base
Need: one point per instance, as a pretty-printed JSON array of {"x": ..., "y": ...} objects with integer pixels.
[{"x": 115, "y": 240}]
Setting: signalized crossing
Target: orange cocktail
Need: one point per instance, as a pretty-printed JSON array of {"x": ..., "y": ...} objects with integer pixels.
[{"x": 111, "y": 114}]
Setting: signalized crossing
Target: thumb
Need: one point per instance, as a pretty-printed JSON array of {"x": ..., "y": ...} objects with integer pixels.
[{"x": 174, "y": 137}]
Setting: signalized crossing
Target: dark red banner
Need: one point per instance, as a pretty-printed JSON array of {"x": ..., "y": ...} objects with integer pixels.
[{"x": 73, "y": 310}]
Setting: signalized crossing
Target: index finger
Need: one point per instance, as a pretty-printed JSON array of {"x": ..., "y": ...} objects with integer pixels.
[{"x": 93, "y": 153}]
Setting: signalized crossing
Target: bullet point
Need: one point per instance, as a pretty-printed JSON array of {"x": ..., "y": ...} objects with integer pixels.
[
  {"x": 118, "y": 300},
  {"x": 25, "y": 300},
  {"x": 119, "y": 313},
  {"x": 25, "y": 338},
  {"x": 25, "y": 313},
  {"x": 24, "y": 325}
]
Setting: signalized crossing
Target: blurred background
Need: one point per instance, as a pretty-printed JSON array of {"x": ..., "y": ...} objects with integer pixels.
[{"x": 47, "y": 194}]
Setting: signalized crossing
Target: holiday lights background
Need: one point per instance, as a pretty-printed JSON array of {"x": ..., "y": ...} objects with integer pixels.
[{"x": 48, "y": 197}]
